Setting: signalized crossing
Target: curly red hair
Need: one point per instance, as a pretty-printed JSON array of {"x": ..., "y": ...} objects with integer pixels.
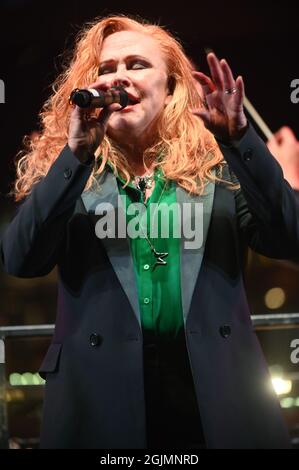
[{"x": 189, "y": 151}]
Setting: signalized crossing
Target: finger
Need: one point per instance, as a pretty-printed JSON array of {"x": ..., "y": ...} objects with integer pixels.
[
  {"x": 228, "y": 79},
  {"x": 216, "y": 70},
  {"x": 205, "y": 82},
  {"x": 79, "y": 113},
  {"x": 106, "y": 112},
  {"x": 98, "y": 84},
  {"x": 285, "y": 134},
  {"x": 240, "y": 93}
]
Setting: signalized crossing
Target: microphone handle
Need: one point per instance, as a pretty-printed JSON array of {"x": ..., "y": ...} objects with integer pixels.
[{"x": 93, "y": 98}]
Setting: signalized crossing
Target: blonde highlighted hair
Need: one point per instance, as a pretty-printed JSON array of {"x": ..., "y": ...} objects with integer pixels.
[{"x": 189, "y": 152}]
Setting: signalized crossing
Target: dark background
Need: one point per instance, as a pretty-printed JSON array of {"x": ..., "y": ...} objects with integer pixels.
[{"x": 260, "y": 41}]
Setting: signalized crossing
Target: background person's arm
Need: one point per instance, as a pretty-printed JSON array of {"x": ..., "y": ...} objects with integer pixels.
[{"x": 285, "y": 148}]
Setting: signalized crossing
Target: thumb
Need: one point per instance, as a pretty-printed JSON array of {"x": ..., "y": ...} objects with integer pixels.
[{"x": 204, "y": 115}]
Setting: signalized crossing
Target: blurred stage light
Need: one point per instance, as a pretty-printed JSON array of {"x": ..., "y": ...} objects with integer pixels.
[
  {"x": 287, "y": 402},
  {"x": 281, "y": 386},
  {"x": 275, "y": 298},
  {"x": 16, "y": 379}
]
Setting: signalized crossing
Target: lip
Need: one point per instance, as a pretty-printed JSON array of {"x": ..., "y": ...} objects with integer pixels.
[
  {"x": 128, "y": 108},
  {"x": 133, "y": 98}
]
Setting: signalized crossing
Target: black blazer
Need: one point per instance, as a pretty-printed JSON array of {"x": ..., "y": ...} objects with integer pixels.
[{"x": 94, "y": 394}]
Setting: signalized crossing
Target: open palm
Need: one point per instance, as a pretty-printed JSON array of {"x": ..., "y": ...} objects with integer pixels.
[{"x": 223, "y": 113}]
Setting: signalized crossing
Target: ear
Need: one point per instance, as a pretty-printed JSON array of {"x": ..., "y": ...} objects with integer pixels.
[{"x": 167, "y": 100}]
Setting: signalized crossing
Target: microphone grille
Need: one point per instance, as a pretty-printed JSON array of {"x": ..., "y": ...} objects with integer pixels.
[{"x": 81, "y": 98}]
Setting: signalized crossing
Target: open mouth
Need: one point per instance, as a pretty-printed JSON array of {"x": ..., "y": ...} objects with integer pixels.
[{"x": 133, "y": 100}]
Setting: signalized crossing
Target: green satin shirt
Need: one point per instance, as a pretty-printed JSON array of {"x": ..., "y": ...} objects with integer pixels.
[{"x": 159, "y": 287}]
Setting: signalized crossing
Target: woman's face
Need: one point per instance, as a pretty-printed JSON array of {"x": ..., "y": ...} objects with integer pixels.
[{"x": 134, "y": 61}]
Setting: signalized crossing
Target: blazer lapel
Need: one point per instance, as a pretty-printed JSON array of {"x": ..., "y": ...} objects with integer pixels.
[
  {"x": 192, "y": 208},
  {"x": 118, "y": 249}
]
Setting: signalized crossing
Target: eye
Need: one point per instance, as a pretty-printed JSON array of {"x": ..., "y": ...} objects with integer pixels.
[
  {"x": 138, "y": 65},
  {"x": 105, "y": 70}
]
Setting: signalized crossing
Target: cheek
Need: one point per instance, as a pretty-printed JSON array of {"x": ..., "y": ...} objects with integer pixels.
[
  {"x": 159, "y": 88},
  {"x": 158, "y": 99},
  {"x": 151, "y": 84}
]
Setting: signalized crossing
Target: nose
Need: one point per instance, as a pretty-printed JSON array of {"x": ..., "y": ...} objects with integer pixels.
[{"x": 121, "y": 78}]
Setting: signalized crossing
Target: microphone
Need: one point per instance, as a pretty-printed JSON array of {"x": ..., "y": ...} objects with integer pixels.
[{"x": 92, "y": 98}]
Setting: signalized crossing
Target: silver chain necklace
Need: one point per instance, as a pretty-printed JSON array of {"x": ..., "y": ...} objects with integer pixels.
[{"x": 142, "y": 186}]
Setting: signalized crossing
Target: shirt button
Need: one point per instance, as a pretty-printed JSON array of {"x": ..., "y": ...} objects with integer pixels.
[
  {"x": 95, "y": 339},
  {"x": 146, "y": 300},
  {"x": 225, "y": 331},
  {"x": 248, "y": 155},
  {"x": 67, "y": 173},
  {"x": 146, "y": 267}
]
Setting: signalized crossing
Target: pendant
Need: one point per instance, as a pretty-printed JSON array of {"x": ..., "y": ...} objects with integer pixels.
[
  {"x": 143, "y": 183},
  {"x": 159, "y": 257}
]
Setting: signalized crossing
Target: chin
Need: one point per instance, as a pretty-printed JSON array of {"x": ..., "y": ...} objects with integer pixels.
[{"x": 122, "y": 124}]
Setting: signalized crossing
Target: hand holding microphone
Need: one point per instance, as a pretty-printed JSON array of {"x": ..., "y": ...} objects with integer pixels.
[{"x": 85, "y": 135}]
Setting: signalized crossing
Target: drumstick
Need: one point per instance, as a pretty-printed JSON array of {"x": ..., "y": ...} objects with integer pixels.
[{"x": 257, "y": 118}]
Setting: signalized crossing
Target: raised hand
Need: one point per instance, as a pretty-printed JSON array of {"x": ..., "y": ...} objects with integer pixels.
[{"x": 223, "y": 113}]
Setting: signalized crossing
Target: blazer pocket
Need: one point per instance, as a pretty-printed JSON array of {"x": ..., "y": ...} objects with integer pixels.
[{"x": 51, "y": 359}]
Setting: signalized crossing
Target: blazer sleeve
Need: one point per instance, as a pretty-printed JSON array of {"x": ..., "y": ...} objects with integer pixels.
[
  {"x": 267, "y": 208},
  {"x": 32, "y": 242}
]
